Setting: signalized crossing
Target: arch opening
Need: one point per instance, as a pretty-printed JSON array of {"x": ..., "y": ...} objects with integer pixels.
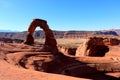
[
  {"x": 50, "y": 41},
  {"x": 39, "y": 36}
]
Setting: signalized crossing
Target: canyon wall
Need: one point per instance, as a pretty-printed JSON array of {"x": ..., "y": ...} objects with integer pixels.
[
  {"x": 60, "y": 34},
  {"x": 96, "y": 46}
]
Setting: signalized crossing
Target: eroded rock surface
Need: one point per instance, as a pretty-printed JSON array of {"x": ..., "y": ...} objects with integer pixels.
[
  {"x": 96, "y": 46},
  {"x": 47, "y": 59},
  {"x": 50, "y": 41},
  {"x": 30, "y": 58}
]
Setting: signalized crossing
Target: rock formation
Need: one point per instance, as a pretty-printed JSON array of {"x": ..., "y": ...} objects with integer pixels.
[
  {"x": 62, "y": 34},
  {"x": 96, "y": 46},
  {"x": 66, "y": 50},
  {"x": 29, "y": 57},
  {"x": 49, "y": 60},
  {"x": 50, "y": 41}
]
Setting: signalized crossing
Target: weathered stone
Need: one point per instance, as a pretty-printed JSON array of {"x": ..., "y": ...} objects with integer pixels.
[
  {"x": 66, "y": 50},
  {"x": 29, "y": 57},
  {"x": 96, "y": 46},
  {"x": 50, "y": 41},
  {"x": 111, "y": 41}
]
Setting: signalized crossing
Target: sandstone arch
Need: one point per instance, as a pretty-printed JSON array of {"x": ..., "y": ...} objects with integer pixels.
[{"x": 50, "y": 41}]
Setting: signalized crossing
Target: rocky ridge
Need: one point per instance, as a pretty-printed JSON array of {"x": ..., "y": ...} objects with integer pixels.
[
  {"x": 61, "y": 34},
  {"x": 47, "y": 58}
]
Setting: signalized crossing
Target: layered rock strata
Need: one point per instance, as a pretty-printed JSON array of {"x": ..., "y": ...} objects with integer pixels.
[
  {"x": 96, "y": 46},
  {"x": 50, "y": 41}
]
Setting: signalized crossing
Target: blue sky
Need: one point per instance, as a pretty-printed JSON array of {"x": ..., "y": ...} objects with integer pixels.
[{"x": 61, "y": 14}]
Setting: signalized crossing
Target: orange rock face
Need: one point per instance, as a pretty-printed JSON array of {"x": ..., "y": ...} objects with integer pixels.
[
  {"x": 50, "y": 41},
  {"x": 96, "y": 46},
  {"x": 111, "y": 41}
]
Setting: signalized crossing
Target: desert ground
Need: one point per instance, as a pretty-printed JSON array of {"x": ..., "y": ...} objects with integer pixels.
[
  {"x": 93, "y": 58},
  {"x": 9, "y": 70},
  {"x": 12, "y": 69}
]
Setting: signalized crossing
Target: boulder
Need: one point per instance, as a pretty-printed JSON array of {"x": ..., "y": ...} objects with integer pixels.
[{"x": 96, "y": 46}]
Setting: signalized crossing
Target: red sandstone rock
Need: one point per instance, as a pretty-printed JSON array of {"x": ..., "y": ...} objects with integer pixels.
[
  {"x": 96, "y": 46},
  {"x": 30, "y": 58},
  {"x": 50, "y": 41}
]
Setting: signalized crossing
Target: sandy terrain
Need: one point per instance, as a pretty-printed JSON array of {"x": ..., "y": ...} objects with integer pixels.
[
  {"x": 12, "y": 72},
  {"x": 10, "y": 54}
]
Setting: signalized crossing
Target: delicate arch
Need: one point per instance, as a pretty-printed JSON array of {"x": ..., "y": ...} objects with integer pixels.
[{"x": 49, "y": 37}]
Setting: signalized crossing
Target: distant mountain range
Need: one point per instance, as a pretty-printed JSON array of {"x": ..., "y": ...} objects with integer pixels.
[
  {"x": 7, "y": 31},
  {"x": 62, "y": 34},
  {"x": 116, "y": 30}
]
